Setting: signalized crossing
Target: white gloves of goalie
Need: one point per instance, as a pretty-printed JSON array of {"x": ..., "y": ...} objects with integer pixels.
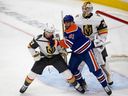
[
  {"x": 36, "y": 56},
  {"x": 98, "y": 41}
]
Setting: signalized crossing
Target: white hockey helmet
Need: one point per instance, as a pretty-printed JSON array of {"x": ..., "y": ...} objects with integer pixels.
[
  {"x": 87, "y": 8},
  {"x": 50, "y": 28}
]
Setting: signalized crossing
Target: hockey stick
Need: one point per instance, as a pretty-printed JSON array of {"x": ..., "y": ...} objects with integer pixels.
[
  {"x": 62, "y": 22},
  {"x": 64, "y": 56},
  {"x": 108, "y": 42}
]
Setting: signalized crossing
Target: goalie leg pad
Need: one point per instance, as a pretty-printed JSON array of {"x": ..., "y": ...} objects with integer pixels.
[{"x": 108, "y": 73}]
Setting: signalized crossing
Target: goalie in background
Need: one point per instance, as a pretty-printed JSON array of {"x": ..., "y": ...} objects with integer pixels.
[
  {"x": 94, "y": 27},
  {"x": 50, "y": 54}
]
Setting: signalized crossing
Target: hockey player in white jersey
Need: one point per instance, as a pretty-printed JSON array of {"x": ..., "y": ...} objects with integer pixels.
[
  {"x": 50, "y": 54},
  {"x": 94, "y": 27}
]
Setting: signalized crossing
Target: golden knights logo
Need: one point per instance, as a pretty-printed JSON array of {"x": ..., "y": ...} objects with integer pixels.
[
  {"x": 87, "y": 30},
  {"x": 50, "y": 49}
]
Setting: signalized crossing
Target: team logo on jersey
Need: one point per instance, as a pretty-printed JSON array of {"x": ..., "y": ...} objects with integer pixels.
[
  {"x": 87, "y": 30},
  {"x": 71, "y": 36},
  {"x": 50, "y": 49}
]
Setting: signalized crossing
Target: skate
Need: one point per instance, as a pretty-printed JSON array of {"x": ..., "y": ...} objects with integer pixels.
[
  {"x": 108, "y": 90},
  {"x": 83, "y": 84},
  {"x": 79, "y": 88},
  {"x": 110, "y": 83},
  {"x": 23, "y": 89}
]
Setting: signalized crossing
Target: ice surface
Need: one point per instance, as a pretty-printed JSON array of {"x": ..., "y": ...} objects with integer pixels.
[{"x": 20, "y": 17}]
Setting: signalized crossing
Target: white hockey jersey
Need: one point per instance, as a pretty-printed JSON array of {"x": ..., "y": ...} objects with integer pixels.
[
  {"x": 44, "y": 45},
  {"x": 92, "y": 26}
]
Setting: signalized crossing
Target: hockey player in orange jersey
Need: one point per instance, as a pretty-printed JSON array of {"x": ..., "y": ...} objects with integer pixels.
[{"x": 81, "y": 47}]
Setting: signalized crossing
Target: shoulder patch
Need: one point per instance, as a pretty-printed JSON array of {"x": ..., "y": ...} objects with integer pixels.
[{"x": 39, "y": 36}]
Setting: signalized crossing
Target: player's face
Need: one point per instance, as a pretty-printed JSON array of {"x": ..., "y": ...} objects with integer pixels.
[
  {"x": 48, "y": 34},
  {"x": 67, "y": 24},
  {"x": 86, "y": 10}
]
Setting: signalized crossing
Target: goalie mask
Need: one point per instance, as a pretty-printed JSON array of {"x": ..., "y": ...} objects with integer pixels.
[{"x": 87, "y": 8}]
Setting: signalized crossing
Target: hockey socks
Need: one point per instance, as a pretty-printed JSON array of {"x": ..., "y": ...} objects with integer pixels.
[
  {"x": 28, "y": 80},
  {"x": 102, "y": 80}
]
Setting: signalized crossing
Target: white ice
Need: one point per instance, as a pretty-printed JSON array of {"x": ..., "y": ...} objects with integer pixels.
[{"x": 20, "y": 20}]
